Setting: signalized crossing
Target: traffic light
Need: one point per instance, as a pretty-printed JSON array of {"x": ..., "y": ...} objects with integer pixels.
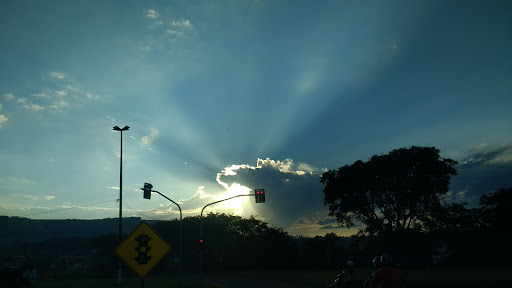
[
  {"x": 260, "y": 195},
  {"x": 143, "y": 240},
  {"x": 147, "y": 190}
]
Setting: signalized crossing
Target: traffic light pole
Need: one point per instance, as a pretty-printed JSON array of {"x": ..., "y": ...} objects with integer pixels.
[
  {"x": 181, "y": 227},
  {"x": 201, "y": 226}
]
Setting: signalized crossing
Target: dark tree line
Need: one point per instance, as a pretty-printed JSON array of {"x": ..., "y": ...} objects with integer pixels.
[{"x": 229, "y": 242}]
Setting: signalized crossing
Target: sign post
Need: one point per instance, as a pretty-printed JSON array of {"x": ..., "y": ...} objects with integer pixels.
[{"x": 142, "y": 250}]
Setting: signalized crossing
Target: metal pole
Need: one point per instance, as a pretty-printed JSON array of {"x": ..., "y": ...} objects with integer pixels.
[
  {"x": 120, "y": 208},
  {"x": 121, "y": 193},
  {"x": 181, "y": 226},
  {"x": 201, "y": 227},
  {"x": 116, "y": 128},
  {"x": 201, "y": 244}
]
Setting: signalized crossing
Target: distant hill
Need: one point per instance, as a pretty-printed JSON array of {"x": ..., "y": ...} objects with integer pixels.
[{"x": 25, "y": 230}]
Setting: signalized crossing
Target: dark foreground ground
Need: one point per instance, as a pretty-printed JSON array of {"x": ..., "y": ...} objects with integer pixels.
[{"x": 313, "y": 278}]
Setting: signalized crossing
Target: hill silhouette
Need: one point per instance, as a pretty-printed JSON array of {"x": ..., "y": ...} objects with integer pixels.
[{"x": 24, "y": 230}]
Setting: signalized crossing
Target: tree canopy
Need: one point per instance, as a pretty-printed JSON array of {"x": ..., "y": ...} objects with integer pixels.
[{"x": 397, "y": 191}]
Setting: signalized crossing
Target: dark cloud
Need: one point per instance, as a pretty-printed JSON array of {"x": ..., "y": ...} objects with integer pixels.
[
  {"x": 326, "y": 227},
  {"x": 326, "y": 221},
  {"x": 291, "y": 193},
  {"x": 482, "y": 172}
]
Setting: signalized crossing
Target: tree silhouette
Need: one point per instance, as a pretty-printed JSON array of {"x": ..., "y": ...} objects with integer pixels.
[{"x": 397, "y": 191}]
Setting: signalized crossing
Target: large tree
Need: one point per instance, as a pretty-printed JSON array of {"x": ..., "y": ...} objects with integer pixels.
[{"x": 397, "y": 191}]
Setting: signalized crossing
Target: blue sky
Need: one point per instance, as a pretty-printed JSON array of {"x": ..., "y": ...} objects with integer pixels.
[{"x": 224, "y": 97}]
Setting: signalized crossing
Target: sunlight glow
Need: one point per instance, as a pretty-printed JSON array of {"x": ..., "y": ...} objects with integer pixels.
[{"x": 235, "y": 203}]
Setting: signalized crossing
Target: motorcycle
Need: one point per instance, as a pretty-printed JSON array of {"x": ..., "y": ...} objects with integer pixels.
[{"x": 339, "y": 282}]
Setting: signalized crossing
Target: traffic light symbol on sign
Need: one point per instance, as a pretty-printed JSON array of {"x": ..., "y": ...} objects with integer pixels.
[
  {"x": 260, "y": 195},
  {"x": 143, "y": 249}
]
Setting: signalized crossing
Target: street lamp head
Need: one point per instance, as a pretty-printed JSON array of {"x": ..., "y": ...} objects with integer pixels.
[{"x": 116, "y": 128}]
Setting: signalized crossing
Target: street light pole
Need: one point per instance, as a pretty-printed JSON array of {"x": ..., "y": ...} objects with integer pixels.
[{"x": 116, "y": 128}]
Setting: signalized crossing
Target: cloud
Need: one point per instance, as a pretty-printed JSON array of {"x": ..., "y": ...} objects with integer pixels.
[
  {"x": 56, "y": 75},
  {"x": 190, "y": 206},
  {"x": 146, "y": 141},
  {"x": 9, "y": 96},
  {"x": 182, "y": 24},
  {"x": 66, "y": 88},
  {"x": 60, "y": 105},
  {"x": 326, "y": 221},
  {"x": 174, "y": 32},
  {"x": 49, "y": 197},
  {"x": 483, "y": 171},
  {"x": 27, "y": 104},
  {"x": 151, "y": 13},
  {"x": 61, "y": 93},
  {"x": 291, "y": 193},
  {"x": 41, "y": 95},
  {"x": 501, "y": 154},
  {"x": 3, "y": 120},
  {"x": 164, "y": 33}
]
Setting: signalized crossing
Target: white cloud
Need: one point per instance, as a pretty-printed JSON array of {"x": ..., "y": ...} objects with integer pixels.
[
  {"x": 153, "y": 14},
  {"x": 174, "y": 32},
  {"x": 25, "y": 103},
  {"x": 34, "y": 107},
  {"x": 57, "y": 75},
  {"x": 49, "y": 197},
  {"x": 285, "y": 166},
  {"x": 9, "y": 97},
  {"x": 148, "y": 140},
  {"x": 183, "y": 23},
  {"x": 22, "y": 100},
  {"x": 59, "y": 105},
  {"x": 61, "y": 93},
  {"x": 91, "y": 96},
  {"x": 41, "y": 95},
  {"x": 3, "y": 120}
]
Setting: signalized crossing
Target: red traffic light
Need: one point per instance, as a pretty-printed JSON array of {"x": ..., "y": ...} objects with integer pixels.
[{"x": 260, "y": 195}]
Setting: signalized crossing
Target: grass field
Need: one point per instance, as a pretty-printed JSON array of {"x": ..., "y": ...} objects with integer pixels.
[
  {"x": 313, "y": 278},
  {"x": 132, "y": 282}
]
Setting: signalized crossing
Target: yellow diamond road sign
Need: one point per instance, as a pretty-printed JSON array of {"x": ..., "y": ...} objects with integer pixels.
[{"x": 142, "y": 249}]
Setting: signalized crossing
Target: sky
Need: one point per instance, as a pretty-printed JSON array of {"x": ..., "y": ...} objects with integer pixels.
[{"x": 224, "y": 97}]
